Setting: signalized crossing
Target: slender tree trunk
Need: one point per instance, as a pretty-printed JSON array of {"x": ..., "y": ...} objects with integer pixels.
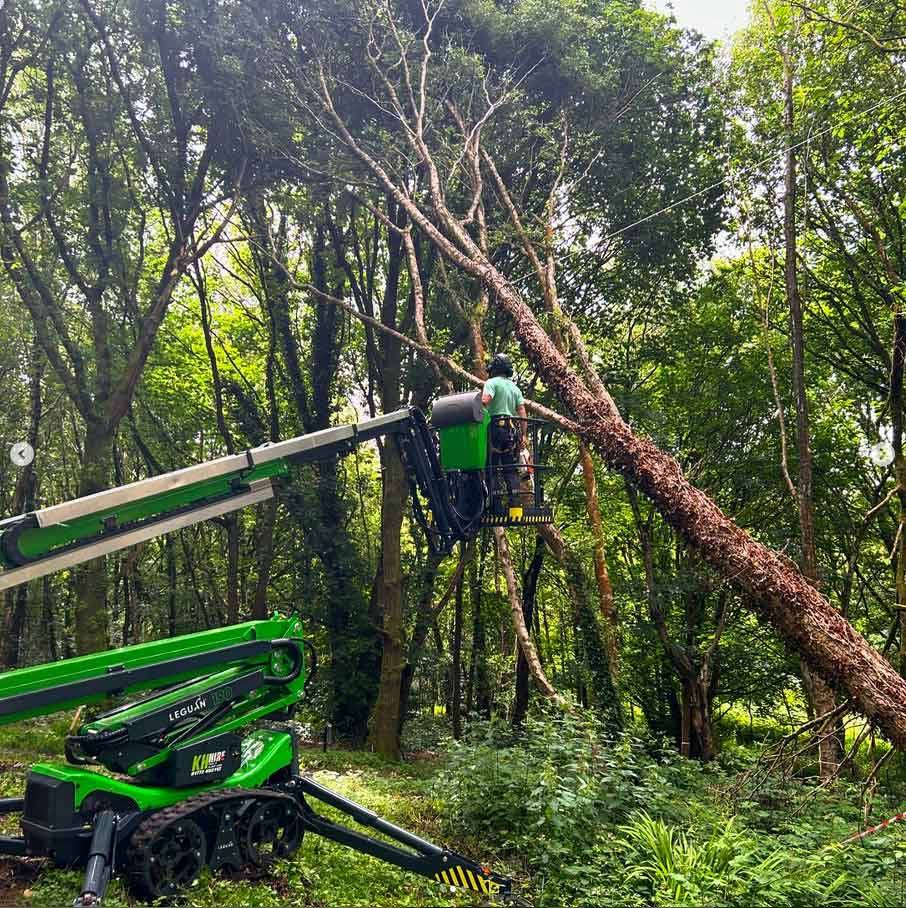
[
  {"x": 24, "y": 501},
  {"x": 423, "y": 618},
  {"x": 697, "y": 739},
  {"x": 522, "y": 635},
  {"x": 478, "y": 693},
  {"x": 385, "y": 721},
  {"x": 606, "y": 601},
  {"x": 475, "y": 602},
  {"x": 591, "y": 636},
  {"x": 897, "y": 360},
  {"x": 267, "y": 520},
  {"x": 232, "y": 585},
  {"x": 14, "y": 625},
  {"x": 49, "y": 619},
  {"x": 685, "y": 745},
  {"x": 170, "y": 557},
  {"x": 820, "y": 695},
  {"x": 692, "y": 667},
  {"x": 91, "y": 578},
  {"x": 128, "y": 617},
  {"x": 697, "y": 729},
  {"x": 456, "y": 657},
  {"x": 529, "y": 592},
  {"x": 481, "y": 683},
  {"x": 899, "y": 465}
]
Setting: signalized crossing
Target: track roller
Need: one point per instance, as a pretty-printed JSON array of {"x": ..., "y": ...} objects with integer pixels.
[
  {"x": 237, "y": 831},
  {"x": 165, "y": 859},
  {"x": 270, "y": 830}
]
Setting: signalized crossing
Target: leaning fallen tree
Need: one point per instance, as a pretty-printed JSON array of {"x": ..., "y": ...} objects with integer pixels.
[{"x": 771, "y": 584}]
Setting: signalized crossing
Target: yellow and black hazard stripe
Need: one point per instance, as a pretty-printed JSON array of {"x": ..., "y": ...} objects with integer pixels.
[
  {"x": 466, "y": 878},
  {"x": 506, "y": 520}
]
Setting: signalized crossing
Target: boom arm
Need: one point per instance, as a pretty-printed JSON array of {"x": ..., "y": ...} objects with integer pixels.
[
  {"x": 190, "y": 781},
  {"x": 44, "y": 689},
  {"x": 68, "y": 534}
]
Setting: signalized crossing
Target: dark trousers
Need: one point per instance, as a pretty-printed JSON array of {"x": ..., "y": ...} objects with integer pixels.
[{"x": 505, "y": 457}]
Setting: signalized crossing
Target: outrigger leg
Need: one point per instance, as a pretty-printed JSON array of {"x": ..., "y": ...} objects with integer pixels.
[
  {"x": 101, "y": 860},
  {"x": 429, "y": 860}
]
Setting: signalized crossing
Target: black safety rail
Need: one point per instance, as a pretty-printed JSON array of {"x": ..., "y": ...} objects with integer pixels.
[{"x": 498, "y": 514}]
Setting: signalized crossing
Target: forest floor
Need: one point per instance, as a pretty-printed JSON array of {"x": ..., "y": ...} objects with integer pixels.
[{"x": 780, "y": 846}]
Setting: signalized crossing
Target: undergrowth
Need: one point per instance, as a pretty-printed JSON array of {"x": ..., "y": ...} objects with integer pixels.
[
  {"x": 574, "y": 817},
  {"x": 628, "y": 822}
]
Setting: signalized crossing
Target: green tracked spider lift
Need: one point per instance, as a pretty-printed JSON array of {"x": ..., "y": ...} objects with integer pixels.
[{"x": 195, "y": 768}]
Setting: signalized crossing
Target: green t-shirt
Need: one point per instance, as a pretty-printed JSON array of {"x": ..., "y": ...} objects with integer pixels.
[{"x": 506, "y": 398}]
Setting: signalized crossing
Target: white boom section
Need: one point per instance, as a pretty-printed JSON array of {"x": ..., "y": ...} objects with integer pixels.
[
  {"x": 293, "y": 448},
  {"x": 259, "y": 491},
  {"x": 311, "y": 447}
]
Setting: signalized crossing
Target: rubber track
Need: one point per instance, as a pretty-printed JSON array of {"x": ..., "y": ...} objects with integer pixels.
[{"x": 161, "y": 819}]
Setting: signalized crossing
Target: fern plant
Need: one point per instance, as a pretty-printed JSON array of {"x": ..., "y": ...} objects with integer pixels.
[{"x": 729, "y": 867}]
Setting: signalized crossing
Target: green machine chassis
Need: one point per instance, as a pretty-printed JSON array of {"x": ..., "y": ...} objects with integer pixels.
[
  {"x": 197, "y": 765},
  {"x": 206, "y": 770}
]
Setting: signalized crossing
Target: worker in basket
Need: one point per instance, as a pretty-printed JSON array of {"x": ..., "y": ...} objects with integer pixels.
[{"x": 509, "y": 427}]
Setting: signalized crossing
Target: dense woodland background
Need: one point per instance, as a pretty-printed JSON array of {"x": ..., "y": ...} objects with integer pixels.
[{"x": 198, "y": 257}]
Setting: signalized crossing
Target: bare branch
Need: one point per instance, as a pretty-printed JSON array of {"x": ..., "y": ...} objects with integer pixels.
[
  {"x": 505, "y": 197},
  {"x": 433, "y": 356},
  {"x": 898, "y": 47},
  {"x": 418, "y": 304}
]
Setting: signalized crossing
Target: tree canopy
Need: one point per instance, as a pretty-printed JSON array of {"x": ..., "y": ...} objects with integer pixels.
[{"x": 223, "y": 224}]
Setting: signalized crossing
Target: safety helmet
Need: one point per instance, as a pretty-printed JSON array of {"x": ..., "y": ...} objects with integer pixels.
[{"x": 500, "y": 365}]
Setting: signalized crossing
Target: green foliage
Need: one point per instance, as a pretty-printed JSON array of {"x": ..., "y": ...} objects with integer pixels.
[
  {"x": 553, "y": 794},
  {"x": 628, "y": 823},
  {"x": 729, "y": 866}
]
